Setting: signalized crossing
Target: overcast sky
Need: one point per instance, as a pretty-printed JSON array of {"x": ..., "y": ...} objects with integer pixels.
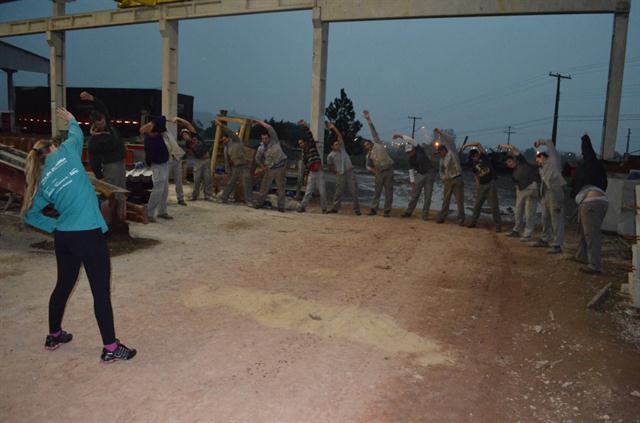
[{"x": 476, "y": 75}]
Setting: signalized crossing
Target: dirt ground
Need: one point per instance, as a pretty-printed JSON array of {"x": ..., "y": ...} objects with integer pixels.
[{"x": 243, "y": 315}]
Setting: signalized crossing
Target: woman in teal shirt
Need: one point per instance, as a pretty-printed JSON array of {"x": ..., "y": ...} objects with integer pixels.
[{"x": 55, "y": 175}]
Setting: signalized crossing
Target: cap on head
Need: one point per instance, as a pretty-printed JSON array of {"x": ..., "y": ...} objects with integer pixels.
[{"x": 408, "y": 148}]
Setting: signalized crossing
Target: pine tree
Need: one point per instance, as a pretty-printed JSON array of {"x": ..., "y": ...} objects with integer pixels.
[{"x": 341, "y": 113}]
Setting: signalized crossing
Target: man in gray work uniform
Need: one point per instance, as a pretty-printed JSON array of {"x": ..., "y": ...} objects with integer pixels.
[
  {"x": 552, "y": 198},
  {"x": 381, "y": 165},
  {"x": 272, "y": 162},
  {"x": 239, "y": 163},
  {"x": 340, "y": 162},
  {"x": 451, "y": 175}
]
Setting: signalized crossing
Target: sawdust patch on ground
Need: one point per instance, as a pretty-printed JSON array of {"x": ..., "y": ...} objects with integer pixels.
[{"x": 284, "y": 311}]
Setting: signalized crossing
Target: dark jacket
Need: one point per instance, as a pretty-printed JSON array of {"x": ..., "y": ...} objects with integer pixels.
[
  {"x": 105, "y": 146},
  {"x": 420, "y": 162},
  {"x": 590, "y": 171},
  {"x": 155, "y": 150},
  {"x": 525, "y": 173}
]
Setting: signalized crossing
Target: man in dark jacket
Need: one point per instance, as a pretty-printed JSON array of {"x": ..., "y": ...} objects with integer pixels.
[
  {"x": 421, "y": 174},
  {"x": 106, "y": 148},
  {"x": 156, "y": 155},
  {"x": 486, "y": 188},
  {"x": 589, "y": 192}
]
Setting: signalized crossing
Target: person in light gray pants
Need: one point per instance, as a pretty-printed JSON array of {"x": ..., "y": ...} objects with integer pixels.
[
  {"x": 114, "y": 174},
  {"x": 384, "y": 180},
  {"x": 202, "y": 176},
  {"x": 380, "y": 163},
  {"x": 348, "y": 180},
  {"x": 525, "y": 213},
  {"x": 315, "y": 180},
  {"x": 160, "y": 192},
  {"x": 278, "y": 175},
  {"x": 175, "y": 169},
  {"x": 422, "y": 183},
  {"x": 451, "y": 175},
  {"x": 590, "y": 217},
  {"x": 553, "y": 217},
  {"x": 239, "y": 173},
  {"x": 453, "y": 186}
]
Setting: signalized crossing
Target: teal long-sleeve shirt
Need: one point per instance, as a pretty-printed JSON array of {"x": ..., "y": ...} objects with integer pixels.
[{"x": 65, "y": 184}]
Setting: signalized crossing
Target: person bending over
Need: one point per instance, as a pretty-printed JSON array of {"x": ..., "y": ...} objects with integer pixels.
[
  {"x": 486, "y": 188},
  {"x": 451, "y": 175},
  {"x": 239, "y": 162},
  {"x": 199, "y": 153},
  {"x": 340, "y": 163},
  {"x": 272, "y": 162},
  {"x": 421, "y": 174},
  {"x": 313, "y": 164}
]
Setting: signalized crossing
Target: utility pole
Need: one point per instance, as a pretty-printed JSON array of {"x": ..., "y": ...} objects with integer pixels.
[
  {"x": 414, "y": 118},
  {"x": 555, "y": 113},
  {"x": 628, "y": 138},
  {"x": 509, "y": 132}
]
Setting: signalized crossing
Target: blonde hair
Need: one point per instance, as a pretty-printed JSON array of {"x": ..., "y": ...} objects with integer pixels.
[{"x": 32, "y": 169}]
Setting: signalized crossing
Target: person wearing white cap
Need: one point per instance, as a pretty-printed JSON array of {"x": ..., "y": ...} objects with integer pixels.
[{"x": 421, "y": 174}]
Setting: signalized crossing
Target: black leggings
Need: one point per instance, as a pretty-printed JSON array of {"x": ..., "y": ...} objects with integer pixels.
[{"x": 73, "y": 249}]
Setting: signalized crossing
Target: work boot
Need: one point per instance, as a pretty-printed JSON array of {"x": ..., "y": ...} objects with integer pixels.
[
  {"x": 387, "y": 214},
  {"x": 405, "y": 214},
  {"x": 324, "y": 211},
  {"x": 471, "y": 225},
  {"x": 461, "y": 223},
  {"x": 498, "y": 229},
  {"x": 372, "y": 212},
  {"x": 151, "y": 219},
  {"x": 440, "y": 221},
  {"x": 165, "y": 216},
  {"x": 281, "y": 209},
  {"x": 590, "y": 271},
  {"x": 54, "y": 342},
  {"x": 540, "y": 244},
  {"x": 513, "y": 234},
  {"x": 120, "y": 353},
  {"x": 182, "y": 203},
  {"x": 357, "y": 212},
  {"x": 301, "y": 209},
  {"x": 555, "y": 249},
  {"x": 332, "y": 211}
]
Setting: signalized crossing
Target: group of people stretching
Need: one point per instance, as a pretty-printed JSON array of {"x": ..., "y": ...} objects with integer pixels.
[{"x": 55, "y": 175}]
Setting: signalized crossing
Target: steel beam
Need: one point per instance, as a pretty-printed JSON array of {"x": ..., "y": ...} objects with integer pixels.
[
  {"x": 175, "y": 11},
  {"x": 12, "y": 57},
  {"x": 319, "y": 78},
  {"x": 614, "y": 85},
  {"x": 361, "y": 10}
]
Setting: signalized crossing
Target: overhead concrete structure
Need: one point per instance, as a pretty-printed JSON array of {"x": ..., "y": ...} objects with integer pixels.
[
  {"x": 13, "y": 59},
  {"x": 325, "y": 12}
]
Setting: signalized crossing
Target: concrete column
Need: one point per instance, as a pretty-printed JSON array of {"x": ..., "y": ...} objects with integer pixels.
[
  {"x": 169, "y": 33},
  {"x": 614, "y": 85},
  {"x": 11, "y": 99},
  {"x": 319, "y": 77},
  {"x": 57, "y": 74}
]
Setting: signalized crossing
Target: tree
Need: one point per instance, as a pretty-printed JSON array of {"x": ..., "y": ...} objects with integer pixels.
[{"x": 341, "y": 113}]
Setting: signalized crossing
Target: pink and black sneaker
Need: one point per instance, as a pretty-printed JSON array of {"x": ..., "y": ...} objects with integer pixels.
[
  {"x": 120, "y": 353},
  {"x": 54, "y": 342}
]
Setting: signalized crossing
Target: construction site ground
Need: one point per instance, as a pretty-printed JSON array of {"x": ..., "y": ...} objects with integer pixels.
[{"x": 243, "y": 315}]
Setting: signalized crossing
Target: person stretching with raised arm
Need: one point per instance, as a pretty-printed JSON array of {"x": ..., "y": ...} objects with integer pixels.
[
  {"x": 199, "y": 153},
  {"x": 340, "y": 163},
  {"x": 451, "y": 175},
  {"x": 55, "y": 175},
  {"x": 527, "y": 179},
  {"x": 239, "y": 162},
  {"x": 272, "y": 162},
  {"x": 380, "y": 163},
  {"x": 313, "y": 164},
  {"x": 552, "y": 198},
  {"x": 421, "y": 174},
  {"x": 485, "y": 175}
]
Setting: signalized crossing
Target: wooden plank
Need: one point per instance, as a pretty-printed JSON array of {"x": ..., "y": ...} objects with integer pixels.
[{"x": 600, "y": 296}]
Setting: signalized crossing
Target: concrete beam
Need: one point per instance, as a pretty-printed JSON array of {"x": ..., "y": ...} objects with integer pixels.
[
  {"x": 12, "y": 57},
  {"x": 614, "y": 85},
  {"x": 57, "y": 72},
  {"x": 169, "y": 33},
  {"x": 319, "y": 78},
  {"x": 361, "y": 10},
  {"x": 173, "y": 11},
  {"x": 11, "y": 99}
]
